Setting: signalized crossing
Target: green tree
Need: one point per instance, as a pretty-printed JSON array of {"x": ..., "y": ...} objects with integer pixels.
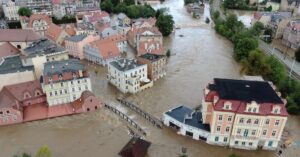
[
  {"x": 297, "y": 54},
  {"x": 255, "y": 64},
  {"x": 216, "y": 15},
  {"x": 278, "y": 70},
  {"x": 257, "y": 28},
  {"x": 244, "y": 46},
  {"x": 43, "y": 152},
  {"x": 24, "y": 11},
  {"x": 120, "y": 8},
  {"x": 107, "y": 5},
  {"x": 129, "y": 2},
  {"x": 165, "y": 24}
]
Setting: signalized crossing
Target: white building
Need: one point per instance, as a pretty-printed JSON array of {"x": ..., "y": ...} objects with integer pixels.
[
  {"x": 128, "y": 75},
  {"x": 187, "y": 122},
  {"x": 64, "y": 81},
  {"x": 10, "y": 10}
]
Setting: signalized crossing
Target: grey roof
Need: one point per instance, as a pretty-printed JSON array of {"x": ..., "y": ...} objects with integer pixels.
[
  {"x": 76, "y": 38},
  {"x": 42, "y": 47},
  {"x": 152, "y": 57},
  {"x": 13, "y": 64},
  {"x": 195, "y": 118},
  {"x": 245, "y": 90},
  {"x": 59, "y": 67},
  {"x": 125, "y": 64},
  {"x": 280, "y": 15},
  {"x": 121, "y": 16}
]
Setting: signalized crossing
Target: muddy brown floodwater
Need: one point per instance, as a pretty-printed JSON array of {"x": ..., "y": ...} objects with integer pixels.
[{"x": 197, "y": 57}]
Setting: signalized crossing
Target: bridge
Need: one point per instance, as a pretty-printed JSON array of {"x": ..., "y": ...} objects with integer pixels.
[
  {"x": 125, "y": 117},
  {"x": 188, "y": 25},
  {"x": 153, "y": 120}
]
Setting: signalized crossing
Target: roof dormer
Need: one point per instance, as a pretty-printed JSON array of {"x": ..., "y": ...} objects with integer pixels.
[
  {"x": 227, "y": 105},
  {"x": 276, "y": 109},
  {"x": 252, "y": 107}
]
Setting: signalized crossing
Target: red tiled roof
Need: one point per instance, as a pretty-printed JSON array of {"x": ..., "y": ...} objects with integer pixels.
[
  {"x": 97, "y": 16},
  {"x": 136, "y": 147},
  {"x": 8, "y": 49},
  {"x": 77, "y": 104},
  {"x": 240, "y": 106},
  {"x": 107, "y": 47},
  {"x": 18, "y": 35},
  {"x": 34, "y": 17},
  {"x": 53, "y": 32}
]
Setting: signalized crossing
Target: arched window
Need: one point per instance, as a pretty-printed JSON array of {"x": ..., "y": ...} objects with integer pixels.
[
  {"x": 256, "y": 121},
  {"x": 248, "y": 121}
]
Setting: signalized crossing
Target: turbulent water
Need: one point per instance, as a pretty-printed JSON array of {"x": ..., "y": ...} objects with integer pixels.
[{"x": 198, "y": 55}]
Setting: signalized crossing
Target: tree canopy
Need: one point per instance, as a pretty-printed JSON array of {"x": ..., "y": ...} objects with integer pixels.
[
  {"x": 43, "y": 152},
  {"x": 24, "y": 11},
  {"x": 165, "y": 24}
]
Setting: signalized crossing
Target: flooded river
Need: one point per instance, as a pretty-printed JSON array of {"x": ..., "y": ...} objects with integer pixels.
[{"x": 197, "y": 57}]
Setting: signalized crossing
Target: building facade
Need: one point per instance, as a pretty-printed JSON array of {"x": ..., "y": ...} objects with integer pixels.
[
  {"x": 291, "y": 35},
  {"x": 10, "y": 10},
  {"x": 64, "y": 81},
  {"x": 239, "y": 114},
  {"x": 39, "y": 23},
  {"x": 156, "y": 65},
  {"x": 75, "y": 44},
  {"x": 102, "y": 51},
  {"x": 128, "y": 75}
]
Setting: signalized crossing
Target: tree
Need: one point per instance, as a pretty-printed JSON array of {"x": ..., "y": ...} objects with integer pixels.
[
  {"x": 129, "y": 2},
  {"x": 244, "y": 46},
  {"x": 257, "y": 28},
  {"x": 216, "y": 15},
  {"x": 120, "y": 8},
  {"x": 43, "y": 152},
  {"x": 297, "y": 54},
  {"x": 24, "y": 11},
  {"x": 277, "y": 72},
  {"x": 255, "y": 64},
  {"x": 107, "y": 5},
  {"x": 165, "y": 24}
]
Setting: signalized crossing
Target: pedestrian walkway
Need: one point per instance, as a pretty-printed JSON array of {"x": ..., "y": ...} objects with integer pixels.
[{"x": 291, "y": 64}]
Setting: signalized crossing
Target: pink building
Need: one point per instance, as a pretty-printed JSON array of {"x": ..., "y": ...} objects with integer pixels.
[
  {"x": 243, "y": 114},
  {"x": 75, "y": 44},
  {"x": 26, "y": 102}
]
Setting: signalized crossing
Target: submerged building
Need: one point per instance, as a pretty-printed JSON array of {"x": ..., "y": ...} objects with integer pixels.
[{"x": 236, "y": 113}]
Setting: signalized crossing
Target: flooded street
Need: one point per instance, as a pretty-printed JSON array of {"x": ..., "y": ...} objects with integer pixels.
[{"x": 197, "y": 57}]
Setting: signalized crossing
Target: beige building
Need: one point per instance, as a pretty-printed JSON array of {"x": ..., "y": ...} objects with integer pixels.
[
  {"x": 65, "y": 81},
  {"x": 243, "y": 114},
  {"x": 37, "y": 22},
  {"x": 10, "y": 10},
  {"x": 156, "y": 65}
]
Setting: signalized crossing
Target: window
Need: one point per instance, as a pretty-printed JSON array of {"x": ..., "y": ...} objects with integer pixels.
[
  {"x": 254, "y": 110},
  {"x": 79, "y": 88},
  {"x": 249, "y": 109},
  {"x": 1, "y": 112},
  {"x": 256, "y": 121},
  {"x": 246, "y": 133},
  {"x": 227, "y": 129},
  {"x": 86, "y": 87},
  {"x": 236, "y": 142},
  {"x": 50, "y": 93},
  {"x": 72, "y": 82},
  {"x": 216, "y": 138},
  {"x": 55, "y": 92},
  {"x": 73, "y": 89},
  {"x": 220, "y": 117},
  {"x": 273, "y": 133},
  {"x": 78, "y": 81},
  {"x": 277, "y": 122},
  {"x": 62, "y": 84},
  {"x": 249, "y": 121},
  {"x": 270, "y": 143},
  {"x": 253, "y": 132},
  {"x": 238, "y": 131},
  {"x": 264, "y": 132},
  {"x": 225, "y": 139},
  {"x": 60, "y": 92},
  {"x": 229, "y": 118},
  {"x": 243, "y": 143},
  {"x": 7, "y": 111},
  {"x": 242, "y": 120},
  {"x": 66, "y": 91},
  {"x": 218, "y": 128},
  {"x": 276, "y": 111},
  {"x": 227, "y": 107},
  {"x": 267, "y": 121},
  {"x": 250, "y": 143}
]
